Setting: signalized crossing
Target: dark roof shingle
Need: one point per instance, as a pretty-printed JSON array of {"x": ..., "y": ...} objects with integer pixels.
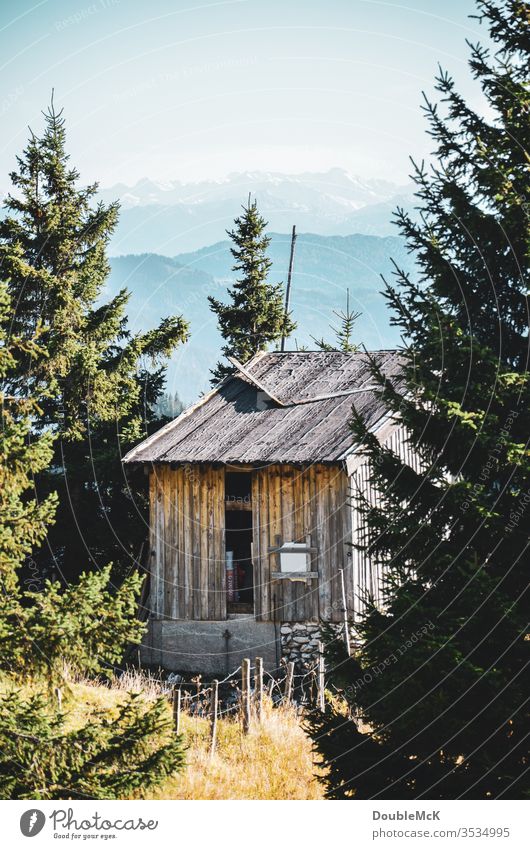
[{"x": 237, "y": 423}]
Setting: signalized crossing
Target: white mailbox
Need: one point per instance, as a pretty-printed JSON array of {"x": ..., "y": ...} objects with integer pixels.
[{"x": 295, "y": 557}]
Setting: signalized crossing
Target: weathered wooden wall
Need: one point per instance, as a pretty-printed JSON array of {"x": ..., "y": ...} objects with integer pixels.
[
  {"x": 188, "y": 541},
  {"x": 293, "y": 503},
  {"x": 368, "y": 573}
]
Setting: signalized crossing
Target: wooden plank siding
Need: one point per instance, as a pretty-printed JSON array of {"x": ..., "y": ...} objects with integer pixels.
[
  {"x": 288, "y": 502},
  {"x": 187, "y": 542},
  {"x": 367, "y": 573},
  {"x": 295, "y": 503}
]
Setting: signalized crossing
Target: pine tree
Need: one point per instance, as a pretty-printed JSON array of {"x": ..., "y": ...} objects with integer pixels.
[
  {"x": 115, "y": 755},
  {"x": 255, "y": 316},
  {"x": 112, "y": 753},
  {"x": 104, "y": 382},
  {"x": 440, "y": 675},
  {"x": 24, "y": 519},
  {"x": 343, "y": 333}
]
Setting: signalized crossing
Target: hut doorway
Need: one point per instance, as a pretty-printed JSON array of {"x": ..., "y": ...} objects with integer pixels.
[{"x": 239, "y": 532}]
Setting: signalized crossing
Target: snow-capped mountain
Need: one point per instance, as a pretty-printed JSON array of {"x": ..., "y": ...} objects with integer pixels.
[
  {"x": 335, "y": 187},
  {"x": 172, "y": 216}
]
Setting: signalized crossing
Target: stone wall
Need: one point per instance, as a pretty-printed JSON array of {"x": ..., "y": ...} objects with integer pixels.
[{"x": 299, "y": 642}]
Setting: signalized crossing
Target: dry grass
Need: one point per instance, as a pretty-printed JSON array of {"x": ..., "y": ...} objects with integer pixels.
[{"x": 273, "y": 761}]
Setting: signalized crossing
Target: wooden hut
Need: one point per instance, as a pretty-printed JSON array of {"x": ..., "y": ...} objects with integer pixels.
[{"x": 251, "y": 515}]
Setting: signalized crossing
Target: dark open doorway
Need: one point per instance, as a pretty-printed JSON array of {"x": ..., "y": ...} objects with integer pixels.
[{"x": 238, "y": 525}]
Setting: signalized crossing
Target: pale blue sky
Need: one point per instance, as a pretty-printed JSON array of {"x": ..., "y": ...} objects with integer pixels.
[{"x": 176, "y": 89}]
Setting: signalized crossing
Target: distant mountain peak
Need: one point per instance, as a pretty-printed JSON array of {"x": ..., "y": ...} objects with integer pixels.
[
  {"x": 333, "y": 176},
  {"x": 171, "y": 216}
]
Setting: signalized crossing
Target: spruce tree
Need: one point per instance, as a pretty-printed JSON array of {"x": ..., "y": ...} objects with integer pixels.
[
  {"x": 439, "y": 677},
  {"x": 104, "y": 382},
  {"x": 343, "y": 332},
  {"x": 255, "y": 315},
  {"x": 24, "y": 519},
  {"x": 116, "y": 754},
  {"x": 43, "y": 754}
]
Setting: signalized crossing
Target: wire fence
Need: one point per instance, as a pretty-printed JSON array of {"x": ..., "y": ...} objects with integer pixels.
[{"x": 240, "y": 694}]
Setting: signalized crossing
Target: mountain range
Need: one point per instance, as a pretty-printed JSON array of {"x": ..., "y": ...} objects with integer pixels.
[
  {"x": 325, "y": 267},
  {"x": 172, "y": 216}
]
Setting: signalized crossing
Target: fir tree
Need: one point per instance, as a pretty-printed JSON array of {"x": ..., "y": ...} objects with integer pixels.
[
  {"x": 255, "y": 315},
  {"x": 343, "y": 333},
  {"x": 113, "y": 752},
  {"x": 440, "y": 675},
  {"x": 115, "y": 755},
  {"x": 104, "y": 382},
  {"x": 24, "y": 520}
]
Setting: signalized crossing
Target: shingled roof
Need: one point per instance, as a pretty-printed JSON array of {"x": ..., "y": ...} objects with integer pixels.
[{"x": 281, "y": 408}]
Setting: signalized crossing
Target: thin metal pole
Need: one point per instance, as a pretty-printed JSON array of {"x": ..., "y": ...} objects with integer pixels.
[
  {"x": 345, "y": 613},
  {"x": 289, "y": 278}
]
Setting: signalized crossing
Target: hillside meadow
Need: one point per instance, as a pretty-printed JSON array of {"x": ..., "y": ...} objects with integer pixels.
[{"x": 273, "y": 761}]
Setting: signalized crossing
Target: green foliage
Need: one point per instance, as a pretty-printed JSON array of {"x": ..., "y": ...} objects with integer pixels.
[
  {"x": 343, "y": 333},
  {"x": 103, "y": 382},
  {"x": 24, "y": 519},
  {"x": 255, "y": 316},
  {"x": 439, "y": 677},
  {"x": 86, "y": 626},
  {"x": 109, "y": 757},
  {"x": 58, "y": 354}
]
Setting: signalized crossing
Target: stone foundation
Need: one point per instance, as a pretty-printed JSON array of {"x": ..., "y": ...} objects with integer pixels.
[
  {"x": 209, "y": 647},
  {"x": 216, "y": 648},
  {"x": 299, "y": 642}
]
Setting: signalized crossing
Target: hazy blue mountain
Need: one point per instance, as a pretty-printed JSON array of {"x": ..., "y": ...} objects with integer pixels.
[
  {"x": 171, "y": 217},
  {"x": 325, "y": 266}
]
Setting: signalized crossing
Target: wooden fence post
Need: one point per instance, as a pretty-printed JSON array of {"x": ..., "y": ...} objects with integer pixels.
[
  {"x": 312, "y": 686},
  {"x": 321, "y": 682},
  {"x": 176, "y": 709},
  {"x": 345, "y": 613},
  {"x": 245, "y": 693},
  {"x": 289, "y": 682},
  {"x": 213, "y": 714},
  {"x": 258, "y": 687}
]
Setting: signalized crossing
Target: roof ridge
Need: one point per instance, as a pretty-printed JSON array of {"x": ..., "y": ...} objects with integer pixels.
[{"x": 326, "y": 353}]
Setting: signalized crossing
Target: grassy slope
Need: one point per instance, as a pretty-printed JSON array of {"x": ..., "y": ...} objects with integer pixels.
[{"x": 274, "y": 761}]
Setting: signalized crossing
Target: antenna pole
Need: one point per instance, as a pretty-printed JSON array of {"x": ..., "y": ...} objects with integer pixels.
[{"x": 289, "y": 278}]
